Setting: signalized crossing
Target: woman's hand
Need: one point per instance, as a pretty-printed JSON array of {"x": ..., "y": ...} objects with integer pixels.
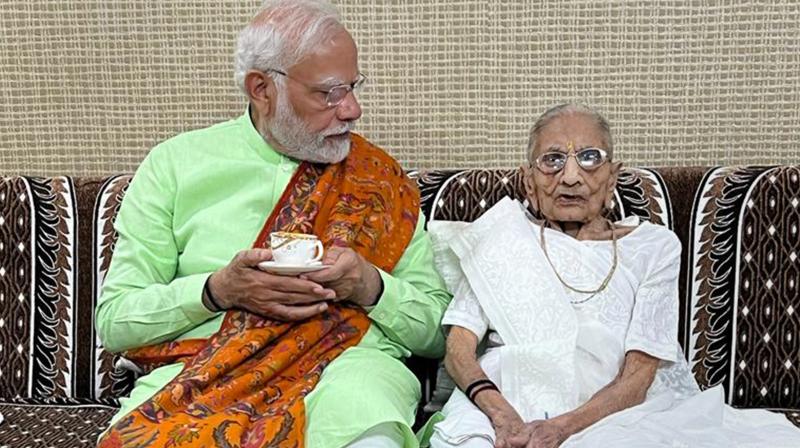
[
  {"x": 543, "y": 434},
  {"x": 628, "y": 389},
  {"x": 463, "y": 366},
  {"x": 510, "y": 431}
]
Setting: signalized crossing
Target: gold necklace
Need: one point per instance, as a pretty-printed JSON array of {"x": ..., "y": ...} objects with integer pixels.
[{"x": 605, "y": 282}]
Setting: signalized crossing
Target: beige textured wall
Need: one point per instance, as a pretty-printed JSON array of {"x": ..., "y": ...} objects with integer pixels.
[{"x": 87, "y": 87}]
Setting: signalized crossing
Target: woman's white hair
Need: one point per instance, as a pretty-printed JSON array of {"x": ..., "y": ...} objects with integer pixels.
[
  {"x": 282, "y": 33},
  {"x": 567, "y": 109}
]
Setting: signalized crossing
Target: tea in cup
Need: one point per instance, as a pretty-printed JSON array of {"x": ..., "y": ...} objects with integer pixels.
[{"x": 295, "y": 248}]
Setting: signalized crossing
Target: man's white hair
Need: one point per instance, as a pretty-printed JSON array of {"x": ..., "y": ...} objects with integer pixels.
[{"x": 282, "y": 33}]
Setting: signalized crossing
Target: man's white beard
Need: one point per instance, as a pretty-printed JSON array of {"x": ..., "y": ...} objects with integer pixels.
[{"x": 298, "y": 142}]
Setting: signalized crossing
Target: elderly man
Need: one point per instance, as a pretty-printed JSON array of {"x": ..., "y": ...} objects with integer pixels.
[
  {"x": 579, "y": 315},
  {"x": 241, "y": 357}
]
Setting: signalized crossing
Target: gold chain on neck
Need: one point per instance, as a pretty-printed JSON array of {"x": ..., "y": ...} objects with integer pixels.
[{"x": 602, "y": 286}]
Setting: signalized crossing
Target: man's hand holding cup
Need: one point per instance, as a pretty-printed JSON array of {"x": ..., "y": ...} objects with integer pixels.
[{"x": 241, "y": 284}]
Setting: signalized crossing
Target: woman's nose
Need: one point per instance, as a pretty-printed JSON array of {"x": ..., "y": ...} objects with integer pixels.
[{"x": 571, "y": 174}]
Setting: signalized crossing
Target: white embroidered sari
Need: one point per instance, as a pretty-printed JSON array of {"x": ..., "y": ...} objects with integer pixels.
[{"x": 549, "y": 355}]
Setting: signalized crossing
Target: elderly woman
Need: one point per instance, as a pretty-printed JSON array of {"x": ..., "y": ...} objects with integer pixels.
[{"x": 579, "y": 316}]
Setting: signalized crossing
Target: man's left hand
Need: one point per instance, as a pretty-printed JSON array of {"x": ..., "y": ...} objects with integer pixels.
[{"x": 350, "y": 275}]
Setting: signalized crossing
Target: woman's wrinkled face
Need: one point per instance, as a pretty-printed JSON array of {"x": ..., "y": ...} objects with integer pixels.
[{"x": 572, "y": 194}]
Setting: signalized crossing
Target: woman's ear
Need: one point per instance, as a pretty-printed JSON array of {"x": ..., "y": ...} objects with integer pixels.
[
  {"x": 612, "y": 183},
  {"x": 530, "y": 186}
]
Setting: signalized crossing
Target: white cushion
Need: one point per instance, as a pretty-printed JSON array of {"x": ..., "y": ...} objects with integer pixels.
[{"x": 447, "y": 264}]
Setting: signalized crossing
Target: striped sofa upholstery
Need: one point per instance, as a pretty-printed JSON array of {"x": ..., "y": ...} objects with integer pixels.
[
  {"x": 740, "y": 310},
  {"x": 57, "y": 384},
  {"x": 743, "y": 327}
]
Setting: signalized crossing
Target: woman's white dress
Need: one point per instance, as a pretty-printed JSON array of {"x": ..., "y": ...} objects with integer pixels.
[{"x": 637, "y": 311}]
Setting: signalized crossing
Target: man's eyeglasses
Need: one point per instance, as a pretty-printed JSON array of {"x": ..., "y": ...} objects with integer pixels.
[
  {"x": 335, "y": 95},
  {"x": 589, "y": 159}
]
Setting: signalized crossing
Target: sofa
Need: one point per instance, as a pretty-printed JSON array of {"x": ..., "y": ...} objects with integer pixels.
[{"x": 739, "y": 301}]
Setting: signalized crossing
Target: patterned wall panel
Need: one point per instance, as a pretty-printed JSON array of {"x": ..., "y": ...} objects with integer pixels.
[
  {"x": 452, "y": 83},
  {"x": 108, "y": 381},
  {"x": 744, "y": 301}
]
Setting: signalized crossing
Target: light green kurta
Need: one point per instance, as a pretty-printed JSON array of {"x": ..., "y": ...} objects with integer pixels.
[{"x": 197, "y": 200}]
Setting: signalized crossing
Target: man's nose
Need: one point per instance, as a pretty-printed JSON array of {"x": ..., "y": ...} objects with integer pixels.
[{"x": 349, "y": 109}]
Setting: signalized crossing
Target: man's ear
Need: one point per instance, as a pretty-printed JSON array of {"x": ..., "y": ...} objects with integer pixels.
[
  {"x": 261, "y": 89},
  {"x": 530, "y": 185}
]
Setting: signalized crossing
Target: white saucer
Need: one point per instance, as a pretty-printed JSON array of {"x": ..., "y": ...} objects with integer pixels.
[{"x": 290, "y": 269}]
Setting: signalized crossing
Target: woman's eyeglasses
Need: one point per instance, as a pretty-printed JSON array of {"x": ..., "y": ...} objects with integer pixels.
[{"x": 589, "y": 159}]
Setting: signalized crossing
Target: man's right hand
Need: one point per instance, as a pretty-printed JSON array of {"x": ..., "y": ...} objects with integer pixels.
[{"x": 241, "y": 284}]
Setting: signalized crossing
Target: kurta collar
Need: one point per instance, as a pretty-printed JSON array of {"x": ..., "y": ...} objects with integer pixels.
[{"x": 257, "y": 142}]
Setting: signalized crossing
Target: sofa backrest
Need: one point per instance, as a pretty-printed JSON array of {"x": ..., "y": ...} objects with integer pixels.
[
  {"x": 55, "y": 242},
  {"x": 740, "y": 310},
  {"x": 743, "y": 282}
]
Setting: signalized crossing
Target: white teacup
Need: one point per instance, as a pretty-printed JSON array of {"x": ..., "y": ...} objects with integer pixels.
[{"x": 295, "y": 248}]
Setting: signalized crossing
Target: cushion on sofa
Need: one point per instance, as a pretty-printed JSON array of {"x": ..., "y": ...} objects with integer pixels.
[{"x": 58, "y": 423}]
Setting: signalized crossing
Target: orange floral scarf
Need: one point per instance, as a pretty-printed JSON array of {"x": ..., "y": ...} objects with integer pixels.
[{"x": 244, "y": 386}]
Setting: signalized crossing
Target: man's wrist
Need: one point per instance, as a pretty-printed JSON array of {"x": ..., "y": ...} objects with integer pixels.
[
  {"x": 210, "y": 301},
  {"x": 373, "y": 286}
]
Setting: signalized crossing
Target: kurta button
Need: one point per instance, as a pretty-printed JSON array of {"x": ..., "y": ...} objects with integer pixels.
[{"x": 286, "y": 168}]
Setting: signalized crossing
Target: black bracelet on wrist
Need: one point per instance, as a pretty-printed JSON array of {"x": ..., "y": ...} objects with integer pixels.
[
  {"x": 211, "y": 298},
  {"x": 479, "y": 386},
  {"x": 380, "y": 291},
  {"x": 480, "y": 389}
]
